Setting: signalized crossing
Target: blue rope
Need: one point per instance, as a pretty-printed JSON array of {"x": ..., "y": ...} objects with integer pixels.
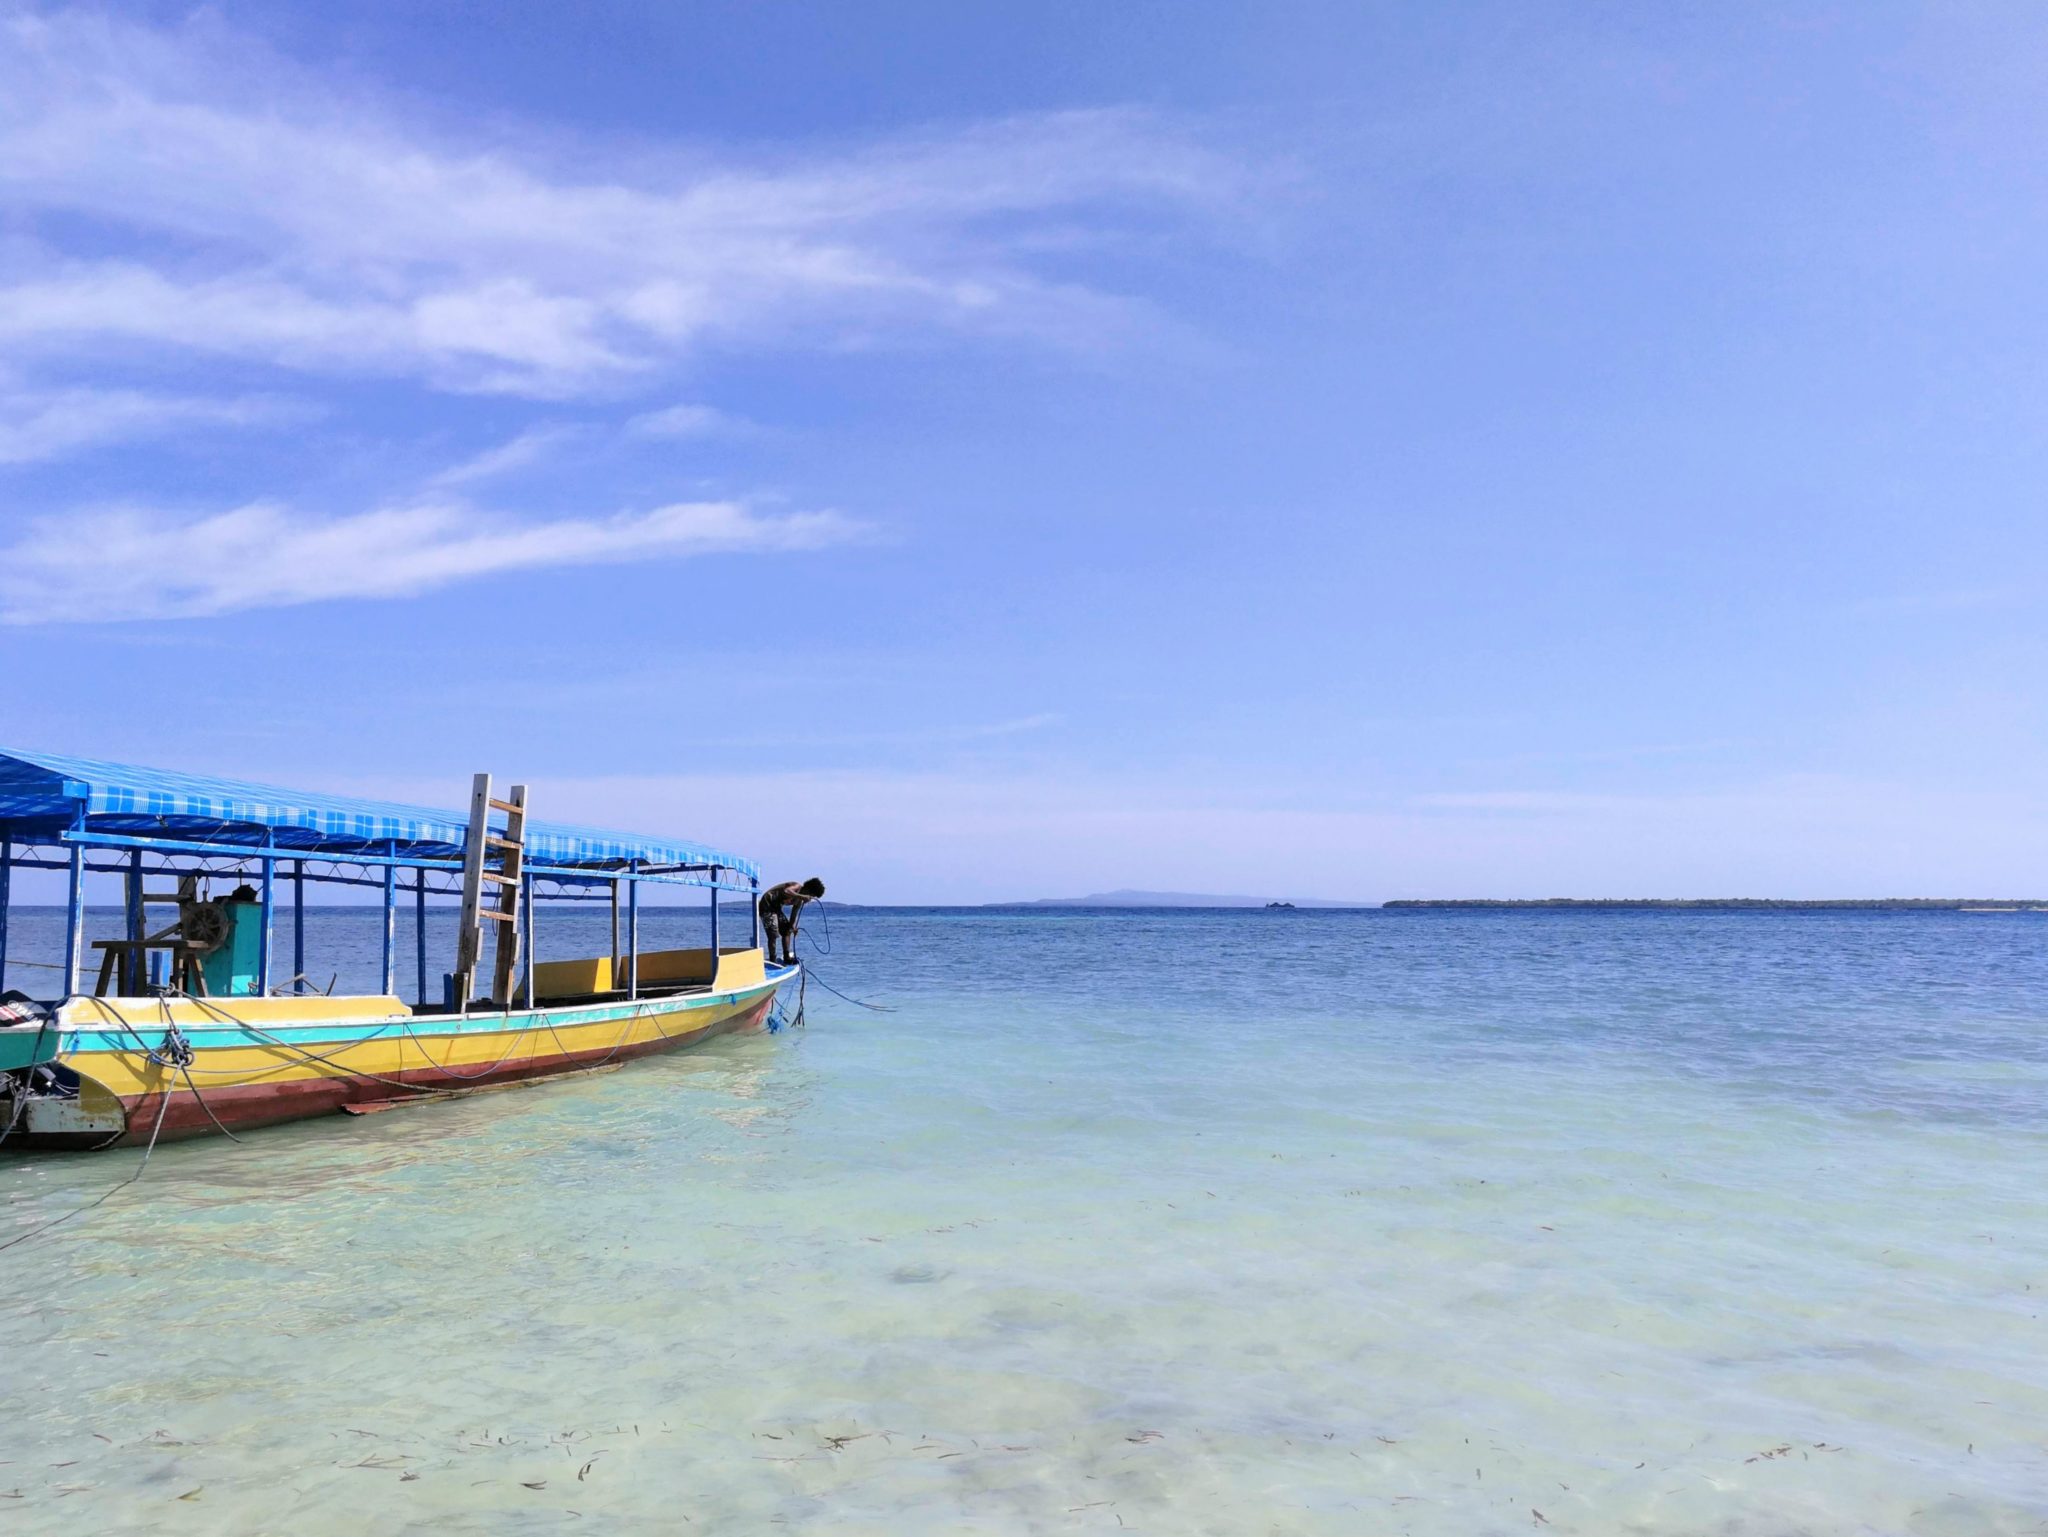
[{"x": 856, "y": 1002}]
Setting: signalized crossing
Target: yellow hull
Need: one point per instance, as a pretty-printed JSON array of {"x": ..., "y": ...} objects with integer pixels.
[{"x": 177, "y": 1067}]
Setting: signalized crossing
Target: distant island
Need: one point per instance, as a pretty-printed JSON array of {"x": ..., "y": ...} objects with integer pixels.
[
  {"x": 1772, "y": 904},
  {"x": 1132, "y": 898},
  {"x": 1176, "y": 899}
]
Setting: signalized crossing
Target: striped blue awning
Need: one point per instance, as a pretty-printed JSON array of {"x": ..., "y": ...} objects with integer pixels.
[{"x": 45, "y": 794}]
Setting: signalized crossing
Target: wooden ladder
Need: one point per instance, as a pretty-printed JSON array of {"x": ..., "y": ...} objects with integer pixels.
[{"x": 509, "y": 849}]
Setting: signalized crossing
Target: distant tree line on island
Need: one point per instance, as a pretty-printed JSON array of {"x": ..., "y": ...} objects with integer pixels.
[{"x": 1772, "y": 904}]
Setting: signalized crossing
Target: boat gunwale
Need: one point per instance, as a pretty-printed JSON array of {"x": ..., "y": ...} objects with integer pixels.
[{"x": 475, "y": 1024}]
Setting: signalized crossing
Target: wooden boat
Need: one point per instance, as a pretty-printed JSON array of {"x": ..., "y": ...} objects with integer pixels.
[{"x": 184, "y": 1032}]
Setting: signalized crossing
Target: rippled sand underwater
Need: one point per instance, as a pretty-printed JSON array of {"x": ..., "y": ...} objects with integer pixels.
[{"x": 1265, "y": 1223}]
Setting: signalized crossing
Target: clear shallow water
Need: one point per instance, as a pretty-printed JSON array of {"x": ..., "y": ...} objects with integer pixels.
[{"x": 1287, "y": 1223}]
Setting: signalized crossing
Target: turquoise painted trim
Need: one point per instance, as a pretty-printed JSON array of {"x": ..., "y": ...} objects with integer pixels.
[
  {"x": 79, "y": 1042},
  {"x": 28, "y": 1045}
]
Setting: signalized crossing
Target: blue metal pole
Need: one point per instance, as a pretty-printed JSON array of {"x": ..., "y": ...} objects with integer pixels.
[
  {"x": 633, "y": 934},
  {"x": 390, "y": 923},
  {"x": 98, "y": 840},
  {"x": 714, "y": 923},
  {"x": 6, "y": 894},
  {"x": 419, "y": 934},
  {"x": 754, "y": 907},
  {"x": 532, "y": 956},
  {"x": 298, "y": 925},
  {"x": 134, "y": 977},
  {"x": 269, "y": 903},
  {"x": 74, "y": 922}
]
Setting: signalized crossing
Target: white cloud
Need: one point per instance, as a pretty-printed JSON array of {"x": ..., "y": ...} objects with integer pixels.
[
  {"x": 140, "y": 564},
  {"x": 47, "y": 424},
  {"x": 684, "y": 421},
  {"x": 1021, "y": 723},
  {"x": 516, "y": 453},
  {"x": 290, "y": 225},
  {"x": 925, "y": 736},
  {"x": 182, "y": 197}
]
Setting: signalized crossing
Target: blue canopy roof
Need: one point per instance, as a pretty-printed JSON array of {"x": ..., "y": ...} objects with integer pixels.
[{"x": 42, "y": 794}]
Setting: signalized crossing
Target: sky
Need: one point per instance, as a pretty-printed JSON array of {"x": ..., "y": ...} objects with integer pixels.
[{"x": 977, "y": 453}]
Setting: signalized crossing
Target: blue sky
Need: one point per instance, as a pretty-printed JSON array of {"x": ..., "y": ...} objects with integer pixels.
[{"x": 990, "y": 452}]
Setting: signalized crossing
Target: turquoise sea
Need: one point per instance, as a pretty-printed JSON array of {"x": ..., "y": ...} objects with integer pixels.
[{"x": 1220, "y": 1222}]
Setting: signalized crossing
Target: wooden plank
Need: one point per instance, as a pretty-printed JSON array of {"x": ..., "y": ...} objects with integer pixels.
[
  {"x": 507, "y": 806},
  {"x": 509, "y": 935},
  {"x": 469, "y": 942}
]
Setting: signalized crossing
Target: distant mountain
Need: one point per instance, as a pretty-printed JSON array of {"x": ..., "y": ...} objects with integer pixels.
[{"x": 1173, "y": 899}]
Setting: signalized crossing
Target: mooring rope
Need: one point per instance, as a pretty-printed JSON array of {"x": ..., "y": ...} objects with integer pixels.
[
  {"x": 809, "y": 971},
  {"x": 780, "y": 1018},
  {"x": 177, "y": 1052},
  {"x": 163, "y": 1106},
  {"x": 294, "y": 1047},
  {"x": 859, "y": 1003},
  {"x": 406, "y": 1026},
  {"x": 825, "y": 923}
]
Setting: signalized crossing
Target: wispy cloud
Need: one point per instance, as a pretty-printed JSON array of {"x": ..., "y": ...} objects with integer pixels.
[
  {"x": 278, "y": 221},
  {"x": 142, "y": 564},
  {"x": 684, "y": 421},
  {"x": 926, "y": 736},
  {"x": 37, "y": 425},
  {"x": 516, "y": 453},
  {"x": 1524, "y": 802},
  {"x": 1643, "y": 753},
  {"x": 1021, "y": 723},
  {"x": 182, "y": 198}
]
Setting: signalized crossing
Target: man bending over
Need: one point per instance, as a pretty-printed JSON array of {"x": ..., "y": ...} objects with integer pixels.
[{"x": 779, "y": 907}]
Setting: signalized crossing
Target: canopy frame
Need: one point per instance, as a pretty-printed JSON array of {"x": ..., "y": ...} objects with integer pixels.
[{"x": 87, "y": 817}]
